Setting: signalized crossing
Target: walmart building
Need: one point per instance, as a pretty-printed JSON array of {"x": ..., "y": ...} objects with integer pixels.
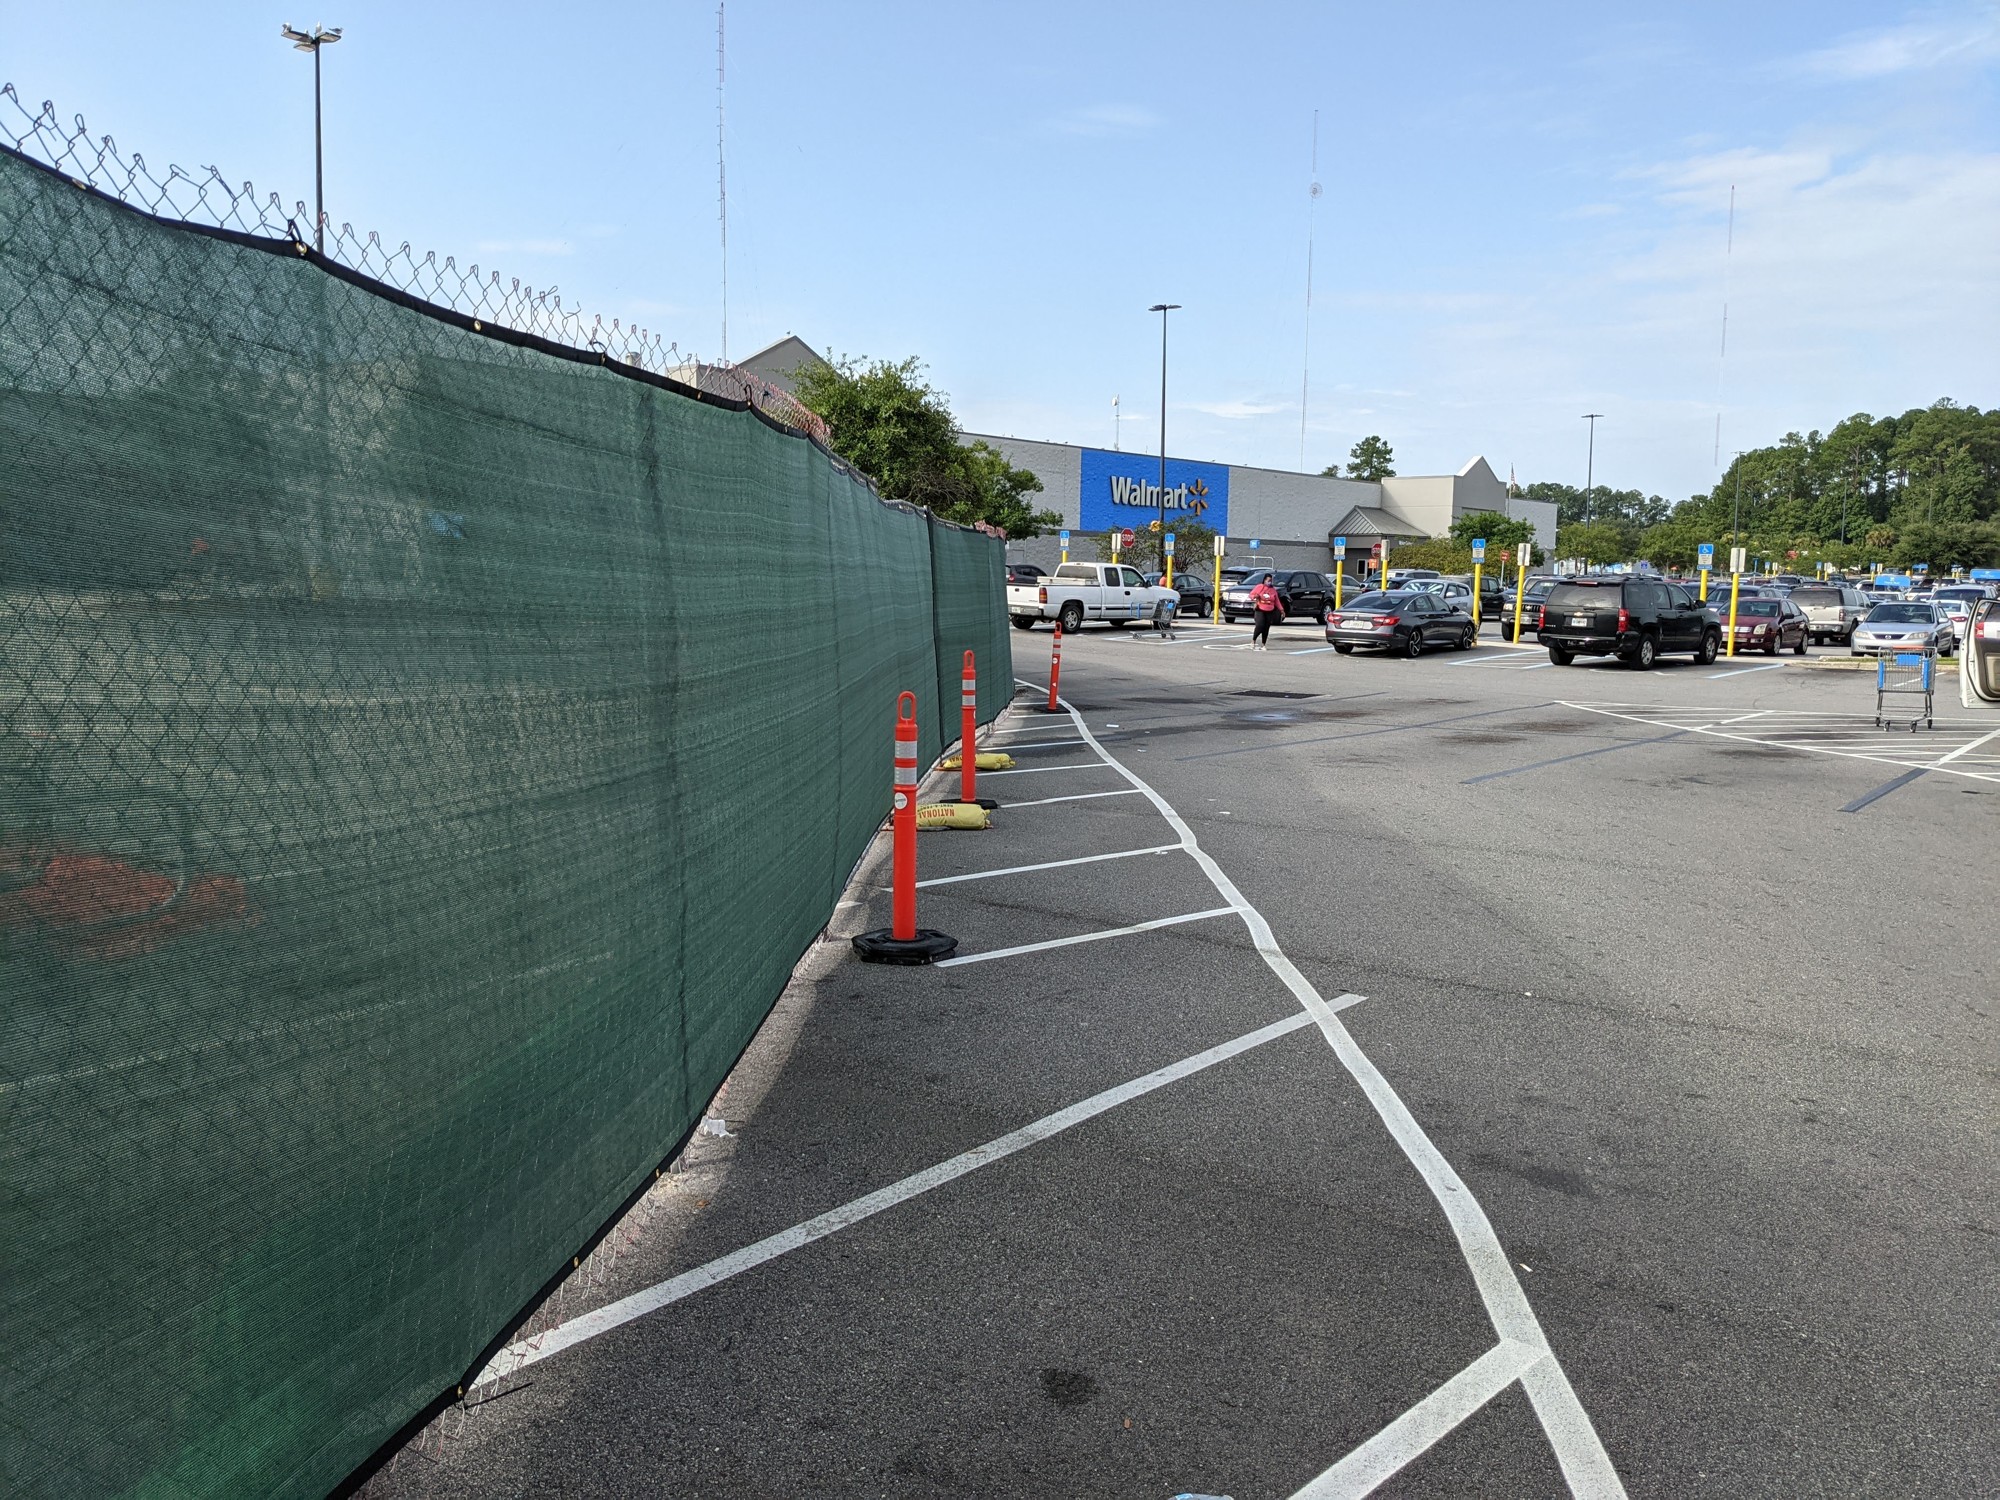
[{"x": 1292, "y": 517}]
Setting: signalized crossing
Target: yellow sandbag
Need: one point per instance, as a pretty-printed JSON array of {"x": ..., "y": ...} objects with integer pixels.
[
  {"x": 985, "y": 760},
  {"x": 953, "y": 815}
]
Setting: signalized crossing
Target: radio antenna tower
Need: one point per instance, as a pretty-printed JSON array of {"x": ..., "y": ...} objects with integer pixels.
[
  {"x": 1728, "y": 251},
  {"x": 1116, "y": 414},
  {"x": 1305, "y": 369},
  {"x": 722, "y": 177}
]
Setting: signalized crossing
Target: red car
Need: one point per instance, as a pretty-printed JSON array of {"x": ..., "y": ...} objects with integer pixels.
[{"x": 1768, "y": 625}]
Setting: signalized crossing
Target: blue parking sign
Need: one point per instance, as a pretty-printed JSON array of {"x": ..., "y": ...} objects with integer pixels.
[
  {"x": 1255, "y": 543},
  {"x": 1479, "y": 549},
  {"x": 1706, "y": 551},
  {"x": 1064, "y": 536}
]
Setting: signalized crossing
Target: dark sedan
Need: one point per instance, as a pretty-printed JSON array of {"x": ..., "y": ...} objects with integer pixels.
[{"x": 1407, "y": 621}]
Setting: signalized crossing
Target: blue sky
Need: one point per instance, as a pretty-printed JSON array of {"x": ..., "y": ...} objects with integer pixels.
[{"x": 1523, "y": 214}]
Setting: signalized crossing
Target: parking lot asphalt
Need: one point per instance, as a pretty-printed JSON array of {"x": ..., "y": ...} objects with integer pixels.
[{"x": 1679, "y": 982}]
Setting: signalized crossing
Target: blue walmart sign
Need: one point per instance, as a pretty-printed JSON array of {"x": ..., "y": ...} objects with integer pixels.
[{"x": 1123, "y": 489}]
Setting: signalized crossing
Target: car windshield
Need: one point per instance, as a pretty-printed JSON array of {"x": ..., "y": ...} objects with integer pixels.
[
  {"x": 1584, "y": 596},
  {"x": 1247, "y": 580},
  {"x": 1762, "y": 607},
  {"x": 1900, "y": 614}
]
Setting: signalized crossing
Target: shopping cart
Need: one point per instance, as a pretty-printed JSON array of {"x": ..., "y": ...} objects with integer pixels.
[{"x": 1907, "y": 674}]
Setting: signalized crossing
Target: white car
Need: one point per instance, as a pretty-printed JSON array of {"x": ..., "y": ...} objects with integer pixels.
[
  {"x": 1076, "y": 592},
  {"x": 1955, "y": 605},
  {"x": 1902, "y": 625}
]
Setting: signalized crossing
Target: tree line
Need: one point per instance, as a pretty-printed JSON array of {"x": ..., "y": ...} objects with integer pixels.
[{"x": 1920, "y": 488}]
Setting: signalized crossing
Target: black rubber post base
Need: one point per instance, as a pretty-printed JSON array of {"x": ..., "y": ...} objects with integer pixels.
[
  {"x": 986, "y": 802},
  {"x": 1045, "y": 709},
  {"x": 927, "y": 947}
]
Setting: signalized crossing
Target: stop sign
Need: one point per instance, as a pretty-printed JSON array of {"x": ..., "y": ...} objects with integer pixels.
[{"x": 1127, "y": 536}]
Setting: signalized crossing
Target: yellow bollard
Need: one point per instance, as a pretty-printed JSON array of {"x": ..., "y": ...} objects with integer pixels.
[
  {"x": 1475, "y": 598},
  {"x": 1735, "y": 581},
  {"x": 1520, "y": 596}
]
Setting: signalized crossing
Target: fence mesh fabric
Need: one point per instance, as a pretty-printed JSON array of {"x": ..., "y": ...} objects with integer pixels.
[{"x": 408, "y": 812}]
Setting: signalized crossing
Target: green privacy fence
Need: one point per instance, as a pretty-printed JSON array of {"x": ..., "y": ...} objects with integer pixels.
[{"x": 424, "y": 752}]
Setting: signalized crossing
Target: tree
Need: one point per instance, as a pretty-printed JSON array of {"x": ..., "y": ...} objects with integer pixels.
[
  {"x": 897, "y": 429},
  {"x": 1194, "y": 545},
  {"x": 1598, "y": 541},
  {"x": 1502, "y": 533},
  {"x": 1371, "y": 459},
  {"x": 1331, "y": 471}
]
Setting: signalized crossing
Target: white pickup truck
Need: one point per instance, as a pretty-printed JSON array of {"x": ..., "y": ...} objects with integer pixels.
[{"x": 1076, "y": 592}]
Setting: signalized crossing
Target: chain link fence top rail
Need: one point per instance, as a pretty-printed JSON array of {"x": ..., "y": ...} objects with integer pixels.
[
  {"x": 407, "y": 811},
  {"x": 206, "y": 198}
]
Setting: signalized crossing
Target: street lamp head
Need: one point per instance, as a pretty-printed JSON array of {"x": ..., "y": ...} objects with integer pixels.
[
  {"x": 304, "y": 42},
  {"x": 1164, "y": 307}
]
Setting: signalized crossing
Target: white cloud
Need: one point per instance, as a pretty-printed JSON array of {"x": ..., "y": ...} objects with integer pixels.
[
  {"x": 1237, "y": 410},
  {"x": 1917, "y": 45},
  {"x": 1107, "y": 120}
]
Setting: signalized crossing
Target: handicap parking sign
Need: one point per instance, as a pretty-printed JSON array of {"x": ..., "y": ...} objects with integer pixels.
[{"x": 1479, "y": 549}]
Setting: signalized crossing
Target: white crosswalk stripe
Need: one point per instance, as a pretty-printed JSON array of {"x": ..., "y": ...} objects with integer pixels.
[{"x": 1955, "y": 747}]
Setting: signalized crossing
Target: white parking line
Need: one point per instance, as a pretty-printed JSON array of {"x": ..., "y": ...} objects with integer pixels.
[
  {"x": 1585, "y": 1464},
  {"x": 1089, "y": 765},
  {"x": 1079, "y": 797},
  {"x": 1743, "y": 718},
  {"x": 1083, "y": 937},
  {"x": 1039, "y": 745},
  {"x": 1054, "y": 864},
  {"x": 1969, "y": 745},
  {"x": 1314, "y": 651},
  {"x": 1745, "y": 671},
  {"x": 1423, "y": 1424},
  {"x": 517, "y": 1357}
]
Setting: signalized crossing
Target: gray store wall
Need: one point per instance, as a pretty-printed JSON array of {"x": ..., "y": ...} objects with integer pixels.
[{"x": 1292, "y": 514}]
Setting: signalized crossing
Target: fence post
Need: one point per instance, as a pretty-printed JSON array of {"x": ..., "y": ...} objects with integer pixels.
[{"x": 903, "y": 942}]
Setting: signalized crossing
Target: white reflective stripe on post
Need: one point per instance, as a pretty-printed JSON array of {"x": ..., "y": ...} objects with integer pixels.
[{"x": 906, "y": 775}]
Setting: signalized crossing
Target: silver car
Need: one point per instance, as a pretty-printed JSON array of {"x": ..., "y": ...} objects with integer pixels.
[
  {"x": 1902, "y": 625},
  {"x": 1956, "y": 606},
  {"x": 1832, "y": 609}
]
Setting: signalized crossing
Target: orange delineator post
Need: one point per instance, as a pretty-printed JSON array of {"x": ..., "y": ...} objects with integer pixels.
[
  {"x": 1055, "y": 667},
  {"x": 968, "y": 729},
  {"x": 903, "y": 898},
  {"x": 902, "y": 941}
]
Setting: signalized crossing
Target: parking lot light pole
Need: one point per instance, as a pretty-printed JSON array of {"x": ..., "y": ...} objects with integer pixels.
[
  {"x": 320, "y": 36},
  {"x": 1590, "y": 461},
  {"x": 1163, "y": 308}
]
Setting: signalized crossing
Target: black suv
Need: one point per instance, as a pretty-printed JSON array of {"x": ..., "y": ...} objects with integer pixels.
[{"x": 1634, "y": 619}]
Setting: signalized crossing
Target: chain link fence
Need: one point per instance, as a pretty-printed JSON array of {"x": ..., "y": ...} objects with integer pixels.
[{"x": 406, "y": 819}]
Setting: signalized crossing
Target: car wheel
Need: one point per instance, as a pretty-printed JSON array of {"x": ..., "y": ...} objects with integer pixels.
[
  {"x": 1711, "y": 647},
  {"x": 1464, "y": 641},
  {"x": 1070, "y": 617},
  {"x": 1345, "y": 650},
  {"x": 1023, "y": 622},
  {"x": 1800, "y": 648},
  {"x": 1561, "y": 657},
  {"x": 1228, "y": 618},
  {"x": 1771, "y": 646},
  {"x": 1414, "y": 646},
  {"x": 1646, "y": 653}
]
